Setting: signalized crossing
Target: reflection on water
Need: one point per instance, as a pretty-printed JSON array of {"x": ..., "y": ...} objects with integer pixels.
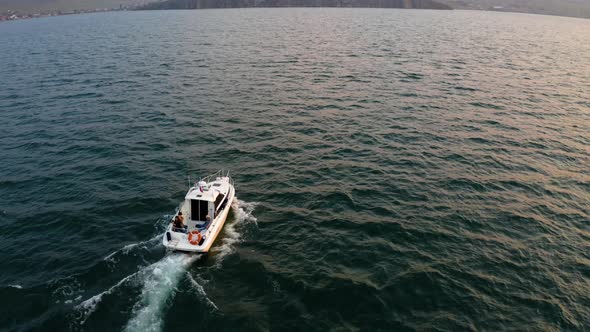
[{"x": 412, "y": 170}]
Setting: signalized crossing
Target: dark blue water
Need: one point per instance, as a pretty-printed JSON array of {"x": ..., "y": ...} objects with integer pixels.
[{"x": 395, "y": 170}]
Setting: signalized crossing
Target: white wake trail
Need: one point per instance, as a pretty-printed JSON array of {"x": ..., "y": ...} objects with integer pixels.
[
  {"x": 159, "y": 283},
  {"x": 126, "y": 249},
  {"x": 163, "y": 277},
  {"x": 160, "y": 279},
  {"x": 200, "y": 290},
  {"x": 89, "y": 306},
  {"x": 243, "y": 212}
]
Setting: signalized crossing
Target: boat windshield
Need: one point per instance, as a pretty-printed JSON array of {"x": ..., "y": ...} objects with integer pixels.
[{"x": 218, "y": 200}]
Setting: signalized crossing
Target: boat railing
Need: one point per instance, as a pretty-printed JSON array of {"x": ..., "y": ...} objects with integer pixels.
[{"x": 210, "y": 178}]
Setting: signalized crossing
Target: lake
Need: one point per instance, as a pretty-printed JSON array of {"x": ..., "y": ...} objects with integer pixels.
[{"x": 396, "y": 170}]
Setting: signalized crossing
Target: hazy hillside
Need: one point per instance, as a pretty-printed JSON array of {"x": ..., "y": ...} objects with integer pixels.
[
  {"x": 196, "y": 4},
  {"x": 575, "y": 8},
  {"x": 35, "y": 6}
]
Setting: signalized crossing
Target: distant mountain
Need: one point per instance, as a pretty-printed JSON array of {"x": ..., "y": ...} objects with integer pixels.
[
  {"x": 37, "y": 6},
  {"x": 201, "y": 4},
  {"x": 574, "y": 8}
]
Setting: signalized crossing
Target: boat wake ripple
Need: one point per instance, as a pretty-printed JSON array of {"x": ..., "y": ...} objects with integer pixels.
[
  {"x": 161, "y": 278},
  {"x": 200, "y": 291},
  {"x": 87, "y": 307},
  {"x": 126, "y": 249},
  {"x": 159, "y": 283},
  {"x": 144, "y": 245},
  {"x": 243, "y": 212}
]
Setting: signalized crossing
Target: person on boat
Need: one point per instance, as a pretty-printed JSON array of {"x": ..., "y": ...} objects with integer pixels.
[
  {"x": 179, "y": 225},
  {"x": 206, "y": 224}
]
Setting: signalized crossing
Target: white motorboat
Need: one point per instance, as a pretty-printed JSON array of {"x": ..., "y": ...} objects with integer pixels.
[{"x": 205, "y": 209}]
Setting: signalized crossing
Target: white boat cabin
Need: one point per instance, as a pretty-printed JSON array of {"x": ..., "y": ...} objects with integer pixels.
[
  {"x": 205, "y": 200},
  {"x": 205, "y": 208}
]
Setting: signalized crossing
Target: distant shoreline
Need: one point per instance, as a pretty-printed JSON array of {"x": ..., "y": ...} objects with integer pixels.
[
  {"x": 16, "y": 16},
  {"x": 206, "y": 4},
  {"x": 5, "y": 18}
]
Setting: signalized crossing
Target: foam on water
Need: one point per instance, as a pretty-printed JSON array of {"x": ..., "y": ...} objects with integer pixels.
[
  {"x": 126, "y": 249},
  {"x": 161, "y": 278},
  {"x": 89, "y": 306},
  {"x": 243, "y": 212},
  {"x": 200, "y": 291},
  {"x": 159, "y": 283},
  {"x": 66, "y": 289}
]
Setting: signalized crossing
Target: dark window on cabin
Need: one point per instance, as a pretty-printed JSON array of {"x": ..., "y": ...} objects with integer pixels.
[
  {"x": 216, "y": 184},
  {"x": 199, "y": 210},
  {"x": 218, "y": 201}
]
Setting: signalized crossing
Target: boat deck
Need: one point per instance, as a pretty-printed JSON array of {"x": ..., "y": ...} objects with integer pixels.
[{"x": 219, "y": 192}]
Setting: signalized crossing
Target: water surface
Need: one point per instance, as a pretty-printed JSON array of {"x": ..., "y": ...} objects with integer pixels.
[{"x": 395, "y": 169}]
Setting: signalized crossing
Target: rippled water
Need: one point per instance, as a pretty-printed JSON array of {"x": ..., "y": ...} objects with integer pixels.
[{"x": 396, "y": 170}]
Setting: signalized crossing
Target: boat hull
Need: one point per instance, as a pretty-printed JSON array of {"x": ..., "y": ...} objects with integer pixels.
[{"x": 176, "y": 241}]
